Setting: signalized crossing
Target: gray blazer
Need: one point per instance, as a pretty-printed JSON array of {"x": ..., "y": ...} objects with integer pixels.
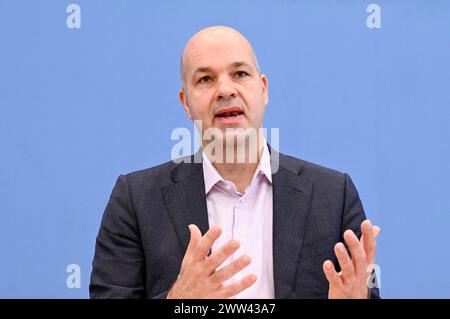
[{"x": 144, "y": 231}]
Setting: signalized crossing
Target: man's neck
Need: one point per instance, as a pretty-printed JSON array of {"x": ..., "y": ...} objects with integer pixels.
[{"x": 241, "y": 174}]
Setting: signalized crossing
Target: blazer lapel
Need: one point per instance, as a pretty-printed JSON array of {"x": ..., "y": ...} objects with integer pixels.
[
  {"x": 291, "y": 206},
  {"x": 186, "y": 201}
]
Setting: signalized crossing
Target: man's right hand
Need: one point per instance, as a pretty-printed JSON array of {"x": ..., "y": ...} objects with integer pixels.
[{"x": 198, "y": 277}]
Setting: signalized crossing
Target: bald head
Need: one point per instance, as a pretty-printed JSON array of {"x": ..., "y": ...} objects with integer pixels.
[{"x": 212, "y": 40}]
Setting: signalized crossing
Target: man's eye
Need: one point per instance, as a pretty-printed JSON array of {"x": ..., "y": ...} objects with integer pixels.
[
  {"x": 241, "y": 74},
  {"x": 204, "y": 80}
]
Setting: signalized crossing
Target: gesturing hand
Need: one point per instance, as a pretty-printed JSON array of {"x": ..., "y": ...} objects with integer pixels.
[
  {"x": 198, "y": 277},
  {"x": 351, "y": 281}
]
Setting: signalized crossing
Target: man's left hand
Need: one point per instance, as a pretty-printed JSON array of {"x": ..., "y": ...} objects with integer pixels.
[{"x": 351, "y": 281}]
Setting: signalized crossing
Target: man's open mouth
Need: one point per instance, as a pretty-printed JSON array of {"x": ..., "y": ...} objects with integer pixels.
[{"x": 229, "y": 113}]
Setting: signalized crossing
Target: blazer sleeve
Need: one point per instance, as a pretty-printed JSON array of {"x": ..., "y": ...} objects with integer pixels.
[
  {"x": 352, "y": 218},
  {"x": 118, "y": 268}
]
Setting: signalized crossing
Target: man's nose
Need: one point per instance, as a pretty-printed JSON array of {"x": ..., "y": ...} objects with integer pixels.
[{"x": 225, "y": 90}]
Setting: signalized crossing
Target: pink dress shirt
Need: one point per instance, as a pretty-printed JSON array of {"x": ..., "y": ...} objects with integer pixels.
[{"x": 246, "y": 217}]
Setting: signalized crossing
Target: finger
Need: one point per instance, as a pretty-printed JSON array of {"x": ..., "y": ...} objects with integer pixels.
[
  {"x": 237, "y": 287},
  {"x": 345, "y": 261},
  {"x": 332, "y": 276},
  {"x": 230, "y": 270},
  {"x": 218, "y": 257},
  {"x": 204, "y": 245},
  {"x": 195, "y": 236},
  {"x": 357, "y": 252},
  {"x": 375, "y": 229},
  {"x": 368, "y": 242}
]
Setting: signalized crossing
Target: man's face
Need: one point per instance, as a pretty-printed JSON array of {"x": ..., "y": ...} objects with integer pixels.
[{"x": 223, "y": 88}]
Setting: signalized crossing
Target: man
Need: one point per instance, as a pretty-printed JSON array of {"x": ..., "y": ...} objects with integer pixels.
[{"x": 268, "y": 232}]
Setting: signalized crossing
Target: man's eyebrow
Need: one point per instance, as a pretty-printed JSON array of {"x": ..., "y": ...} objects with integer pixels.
[
  {"x": 239, "y": 64},
  {"x": 205, "y": 69}
]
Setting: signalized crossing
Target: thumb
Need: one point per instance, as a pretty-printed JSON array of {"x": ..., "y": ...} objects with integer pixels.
[{"x": 195, "y": 236}]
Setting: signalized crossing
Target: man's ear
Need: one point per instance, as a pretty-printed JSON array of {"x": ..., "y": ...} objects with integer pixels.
[
  {"x": 182, "y": 96},
  {"x": 265, "y": 86}
]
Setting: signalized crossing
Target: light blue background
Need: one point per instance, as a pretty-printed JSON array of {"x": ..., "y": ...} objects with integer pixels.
[{"x": 79, "y": 107}]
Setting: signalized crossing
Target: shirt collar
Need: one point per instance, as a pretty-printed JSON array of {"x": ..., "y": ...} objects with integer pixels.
[
  {"x": 212, "y": 177},
  {"x": 264, "y": 166},
  {"x": 210, "y": 174}
]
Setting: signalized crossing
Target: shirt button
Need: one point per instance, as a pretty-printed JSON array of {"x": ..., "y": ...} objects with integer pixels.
[{"x": 242, "y": 239}]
